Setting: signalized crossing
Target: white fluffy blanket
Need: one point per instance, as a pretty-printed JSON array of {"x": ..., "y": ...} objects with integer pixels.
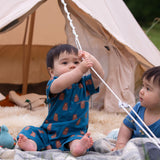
[{"x": 15, "y": 118}]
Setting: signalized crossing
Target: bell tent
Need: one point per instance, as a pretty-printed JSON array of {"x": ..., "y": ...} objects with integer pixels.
[{"x": 105, "y": 28}]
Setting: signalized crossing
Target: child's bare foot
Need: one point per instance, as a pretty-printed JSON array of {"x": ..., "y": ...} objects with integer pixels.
[
  {"x": 26, "y": 144},
  {"x": 79, "y": 147}
]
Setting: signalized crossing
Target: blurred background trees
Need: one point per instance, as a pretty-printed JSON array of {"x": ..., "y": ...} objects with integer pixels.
[{"x": 145, "y": 11}]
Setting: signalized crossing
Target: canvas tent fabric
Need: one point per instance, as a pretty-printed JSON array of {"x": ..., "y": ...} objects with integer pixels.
[{"x": 106, "y": 28}]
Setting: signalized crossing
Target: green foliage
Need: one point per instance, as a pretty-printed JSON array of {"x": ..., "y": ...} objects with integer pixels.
[
  {"x": 154, "y": 35},
  {"x": 145, "y": 11}
]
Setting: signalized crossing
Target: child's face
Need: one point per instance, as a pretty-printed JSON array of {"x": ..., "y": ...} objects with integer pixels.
[
  {"x": 65, "y": 63},
  {"x": 149, "y": 95}
]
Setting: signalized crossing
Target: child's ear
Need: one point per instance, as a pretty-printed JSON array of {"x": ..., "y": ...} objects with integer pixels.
[{"x": 51, "y": 71}]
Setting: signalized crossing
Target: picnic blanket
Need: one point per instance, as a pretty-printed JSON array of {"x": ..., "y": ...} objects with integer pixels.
[{"x": 136, "y": 149}]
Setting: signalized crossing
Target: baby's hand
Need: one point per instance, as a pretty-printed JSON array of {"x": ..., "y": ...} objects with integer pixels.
[
  {"x": 114, "y": 149},
  {"x": 86, "y": 61},
  {"x": 118, "y": 147}
]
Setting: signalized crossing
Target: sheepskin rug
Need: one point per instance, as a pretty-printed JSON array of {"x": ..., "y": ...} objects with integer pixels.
[{"x": 15, "y": 118}]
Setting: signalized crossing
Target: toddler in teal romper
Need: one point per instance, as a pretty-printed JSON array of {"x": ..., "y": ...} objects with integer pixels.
[
  {"x": 67, "y": 118},
  {"x": 68, "y": 93}
]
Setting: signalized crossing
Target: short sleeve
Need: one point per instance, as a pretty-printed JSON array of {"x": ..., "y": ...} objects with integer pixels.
[
  {"x": 49, "y": 86},
  {"x": 89, "y": 84},
  {"x": 128, "y": 121}
]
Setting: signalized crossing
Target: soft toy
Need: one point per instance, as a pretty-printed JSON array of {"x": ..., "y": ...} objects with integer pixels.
[{"x": 6, "y": 140}]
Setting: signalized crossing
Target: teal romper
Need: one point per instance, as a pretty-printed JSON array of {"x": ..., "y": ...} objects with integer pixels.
[{"x": 67, "y": 118}]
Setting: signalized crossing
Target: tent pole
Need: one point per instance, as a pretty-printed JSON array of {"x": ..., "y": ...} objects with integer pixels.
[
  {"x": 27, "y": 55},
  {"x": 24, "y": 49}
]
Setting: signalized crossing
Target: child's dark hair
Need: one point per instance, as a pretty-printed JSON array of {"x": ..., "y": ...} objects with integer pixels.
[
  {"x": 153, "y": 72},
  {"x": 56, "y": 50}
]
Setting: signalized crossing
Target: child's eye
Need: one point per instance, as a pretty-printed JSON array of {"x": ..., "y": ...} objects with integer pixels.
[
  {"x": 64, "y": 62},
  {"x": 148, "y": 89},
  {"x": 76, "y": 62}
]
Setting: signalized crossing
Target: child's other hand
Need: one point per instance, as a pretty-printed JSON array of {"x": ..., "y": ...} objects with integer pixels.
[
  {"x": 86, "y": 60},
  {"x": 114, "y": 149},
  {"x": 118, "y": 147}
]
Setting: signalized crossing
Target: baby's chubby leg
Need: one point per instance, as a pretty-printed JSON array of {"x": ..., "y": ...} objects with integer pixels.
[
  {"x": 26, "y": 144},
  {"x": 80, "y": 147}
]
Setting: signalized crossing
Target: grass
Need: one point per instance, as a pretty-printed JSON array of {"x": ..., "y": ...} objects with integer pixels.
[{"x": 154, "y": 34}]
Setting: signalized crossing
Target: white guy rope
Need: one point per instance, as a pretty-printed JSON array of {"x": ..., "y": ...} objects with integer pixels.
[
  {"x": 154, "y": 138},
  {"x": 144, "y": 124},
  {"x": 122, "y": 105},
  {"x": 71, "y": 25}
]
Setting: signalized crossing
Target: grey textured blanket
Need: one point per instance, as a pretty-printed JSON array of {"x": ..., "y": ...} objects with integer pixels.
[{"x": 136, "y": 149}]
